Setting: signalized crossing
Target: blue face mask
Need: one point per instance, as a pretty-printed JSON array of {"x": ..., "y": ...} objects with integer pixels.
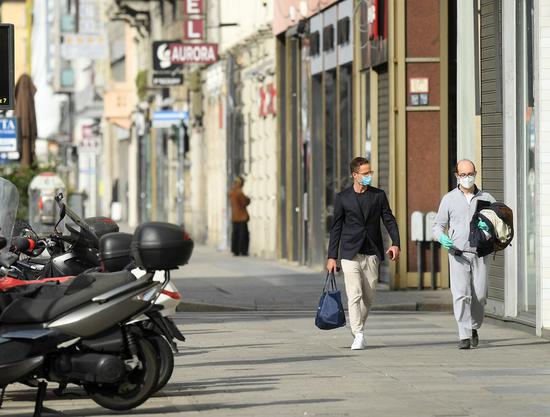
[{"x": 365, "y": 181}]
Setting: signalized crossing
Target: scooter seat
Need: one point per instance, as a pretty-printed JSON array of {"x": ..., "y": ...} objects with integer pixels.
[{"x": 61, "y": 299}]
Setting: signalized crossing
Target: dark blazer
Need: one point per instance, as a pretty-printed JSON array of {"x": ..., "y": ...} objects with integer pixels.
[{"x": 349, "y": 227}]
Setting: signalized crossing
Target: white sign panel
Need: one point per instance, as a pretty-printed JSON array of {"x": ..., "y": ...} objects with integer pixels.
[
  {"x": 77, "y": 46},
  {"x": 429, "y": 232},
  {"x": 417, "y": 226},
  {"x": 8, "y": 135}
]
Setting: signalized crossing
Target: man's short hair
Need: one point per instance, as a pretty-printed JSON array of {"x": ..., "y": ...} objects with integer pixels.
[
  {"x": 464, "y": 160},
  {"x": 356, "y": 163}
]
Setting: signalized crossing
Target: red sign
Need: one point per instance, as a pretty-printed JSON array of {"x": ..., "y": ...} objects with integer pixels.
[
  {"x": 268, "y": 100},
  {"x": 272, "y": 104},
  {"x": 193, "y": 7},
  {"x": 263, "y": 106},
  {"x": 193, "y": 29},
  {"x": 193, "y": 53},
  {"x": 193, "y": 25}
]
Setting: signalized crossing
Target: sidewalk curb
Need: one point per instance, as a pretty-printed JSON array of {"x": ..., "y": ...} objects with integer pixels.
[{"x": 204, "y": 307}]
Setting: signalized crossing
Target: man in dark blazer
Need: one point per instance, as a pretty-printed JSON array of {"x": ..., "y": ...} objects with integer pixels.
[{"x": 356, "y": 236}]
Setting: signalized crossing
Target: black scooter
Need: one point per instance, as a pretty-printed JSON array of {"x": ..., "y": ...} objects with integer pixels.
[
  {"x": 96, "y": 246},
  {"x": 80, "y": 333}
]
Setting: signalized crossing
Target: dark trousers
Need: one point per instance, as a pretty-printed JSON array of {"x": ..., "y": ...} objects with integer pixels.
[{"x": 240, "y": 238}]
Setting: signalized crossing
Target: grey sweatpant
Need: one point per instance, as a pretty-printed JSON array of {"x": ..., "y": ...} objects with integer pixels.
[{"x": 469, "y": 288}]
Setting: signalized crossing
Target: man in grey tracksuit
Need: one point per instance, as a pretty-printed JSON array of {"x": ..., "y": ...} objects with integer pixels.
[{"x": 468, "y": 272}]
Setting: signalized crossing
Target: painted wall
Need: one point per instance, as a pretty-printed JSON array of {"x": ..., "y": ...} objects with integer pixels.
[
  {"x": 423, "y": 127},
  {"x": 260, "y": 148}
]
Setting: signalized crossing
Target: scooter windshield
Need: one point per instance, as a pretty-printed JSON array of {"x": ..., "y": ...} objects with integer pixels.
[{"x": 9, "y": 201}]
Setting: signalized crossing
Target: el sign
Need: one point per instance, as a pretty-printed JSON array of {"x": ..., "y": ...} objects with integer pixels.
[{"x": 193, "y": 26}]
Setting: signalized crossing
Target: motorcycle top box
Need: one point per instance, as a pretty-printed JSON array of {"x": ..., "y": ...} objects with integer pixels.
[
  {"x": 114, "y": 251},
  {"x": 161, "y": 246},
  {"x": 102, "y": 225}
]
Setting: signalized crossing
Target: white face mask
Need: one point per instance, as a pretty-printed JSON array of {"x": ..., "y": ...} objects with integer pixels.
[{"x": 467, "y": 182}]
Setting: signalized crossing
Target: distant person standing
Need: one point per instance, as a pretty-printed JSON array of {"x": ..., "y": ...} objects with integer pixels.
[{"x": 239, "y": 216}]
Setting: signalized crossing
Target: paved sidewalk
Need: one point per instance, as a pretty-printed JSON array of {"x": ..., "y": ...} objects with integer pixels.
[
  {"x": 278, "y": 364},
  {"x": 216, "y": 280}
]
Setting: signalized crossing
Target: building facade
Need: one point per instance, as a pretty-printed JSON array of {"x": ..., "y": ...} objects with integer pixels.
[
  {"x": 233, "y": 129},
  {"x": 513, "y": 78},
  {"x": 363, "y": 79}
]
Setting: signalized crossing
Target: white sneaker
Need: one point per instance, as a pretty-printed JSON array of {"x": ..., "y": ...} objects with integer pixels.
[{"x": 359, "y": 342}]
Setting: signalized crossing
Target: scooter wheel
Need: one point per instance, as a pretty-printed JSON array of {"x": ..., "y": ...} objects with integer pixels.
[
  {"x": 136, "y": 387},
  {"x": 165, "y": 360}
]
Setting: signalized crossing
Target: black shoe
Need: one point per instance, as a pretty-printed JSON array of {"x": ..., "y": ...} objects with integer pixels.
[
  {"x": 464, "y": 344},
  {"x": 475, "y": 338}
]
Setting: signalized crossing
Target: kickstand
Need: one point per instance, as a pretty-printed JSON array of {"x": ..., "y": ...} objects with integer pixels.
[
  {"x": 40, "y": 396},
  {"x": 59, "y": 391},
  {"x": 2, "y": 396}
]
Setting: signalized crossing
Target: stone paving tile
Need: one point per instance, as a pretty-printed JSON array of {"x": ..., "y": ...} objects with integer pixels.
[{"x": 277, "y": 364}]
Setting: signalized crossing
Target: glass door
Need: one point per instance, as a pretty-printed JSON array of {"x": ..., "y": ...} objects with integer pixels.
[{"x": 526, "y": 116}]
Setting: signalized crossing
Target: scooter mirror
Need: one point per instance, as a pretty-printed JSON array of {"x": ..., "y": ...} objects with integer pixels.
[{"x": 62, "y": 214}]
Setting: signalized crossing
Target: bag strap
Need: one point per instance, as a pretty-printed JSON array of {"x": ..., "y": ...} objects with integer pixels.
[{"x": 330, "y": 280}]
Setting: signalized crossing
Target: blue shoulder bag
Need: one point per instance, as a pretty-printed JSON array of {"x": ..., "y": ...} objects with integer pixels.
[{"x": 330, "y": 313}]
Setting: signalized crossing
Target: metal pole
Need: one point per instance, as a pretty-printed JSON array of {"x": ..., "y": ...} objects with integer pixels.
[
  {"x": 419, "y": 263},
  {"x": 180, "y": 171},
  {"x": 432, "y": 249}
]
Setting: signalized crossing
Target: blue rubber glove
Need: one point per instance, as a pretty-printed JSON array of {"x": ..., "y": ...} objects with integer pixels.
[
  {"x": 446, "y": 241},
  {"x": 483, "y": 226}
]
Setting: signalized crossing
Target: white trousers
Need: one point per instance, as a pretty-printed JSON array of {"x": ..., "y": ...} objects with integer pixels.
[
  {"x": 360, "y": 277},
  {"x": 469, "y": 288}
]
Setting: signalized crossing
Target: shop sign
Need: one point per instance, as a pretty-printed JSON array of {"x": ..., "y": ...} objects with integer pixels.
[
  {"x": 9, "y": 135},
  {"x": 419, "y": 89},
  {"x": 193, "y": 25},
  {"x": 169, "y": 118},
  {"x": 268, "y": 99},
  {"x": 193, "y": 53},
  {"x": 194, "y": 29},
  {"x": 167, "y": 79},
  {"x": 161, "y": 56},
  {"x": 75, "y": 46}
]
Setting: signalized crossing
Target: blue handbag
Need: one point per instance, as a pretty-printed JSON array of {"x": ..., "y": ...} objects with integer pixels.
[{"x": 330, "y": 313}]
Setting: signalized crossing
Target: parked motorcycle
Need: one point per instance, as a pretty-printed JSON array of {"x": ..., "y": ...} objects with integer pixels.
[
  {"x": 96, "y": 243},
  {"x": 83, "y": 333}
]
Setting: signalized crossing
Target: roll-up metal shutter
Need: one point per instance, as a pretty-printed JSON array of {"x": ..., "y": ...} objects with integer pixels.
[
  {"x": 491, "y": 122},
  {"x": 383, "y": 167}
]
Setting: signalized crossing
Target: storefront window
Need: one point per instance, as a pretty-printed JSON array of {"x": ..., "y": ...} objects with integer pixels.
[
  {"x": 526, "y": 117},
  {"x": 330, "y": 144},
  {"x": 346, "y": 125}
]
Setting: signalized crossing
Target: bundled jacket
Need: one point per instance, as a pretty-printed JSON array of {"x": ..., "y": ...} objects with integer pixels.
[
  {"x": 455, "y": 215},
  {"x": 500, "y": 220}
]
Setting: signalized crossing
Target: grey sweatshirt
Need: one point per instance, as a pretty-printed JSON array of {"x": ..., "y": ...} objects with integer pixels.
[{"x": 455, "y": 214}]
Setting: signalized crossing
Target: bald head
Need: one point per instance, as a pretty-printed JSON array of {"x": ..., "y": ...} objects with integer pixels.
[{"x": 465, "y": 166}]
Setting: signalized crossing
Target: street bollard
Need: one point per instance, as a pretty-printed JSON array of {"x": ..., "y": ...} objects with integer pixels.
[
  {"x": 428, "y": 234},
  {"x": 417, "y": 234}
]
